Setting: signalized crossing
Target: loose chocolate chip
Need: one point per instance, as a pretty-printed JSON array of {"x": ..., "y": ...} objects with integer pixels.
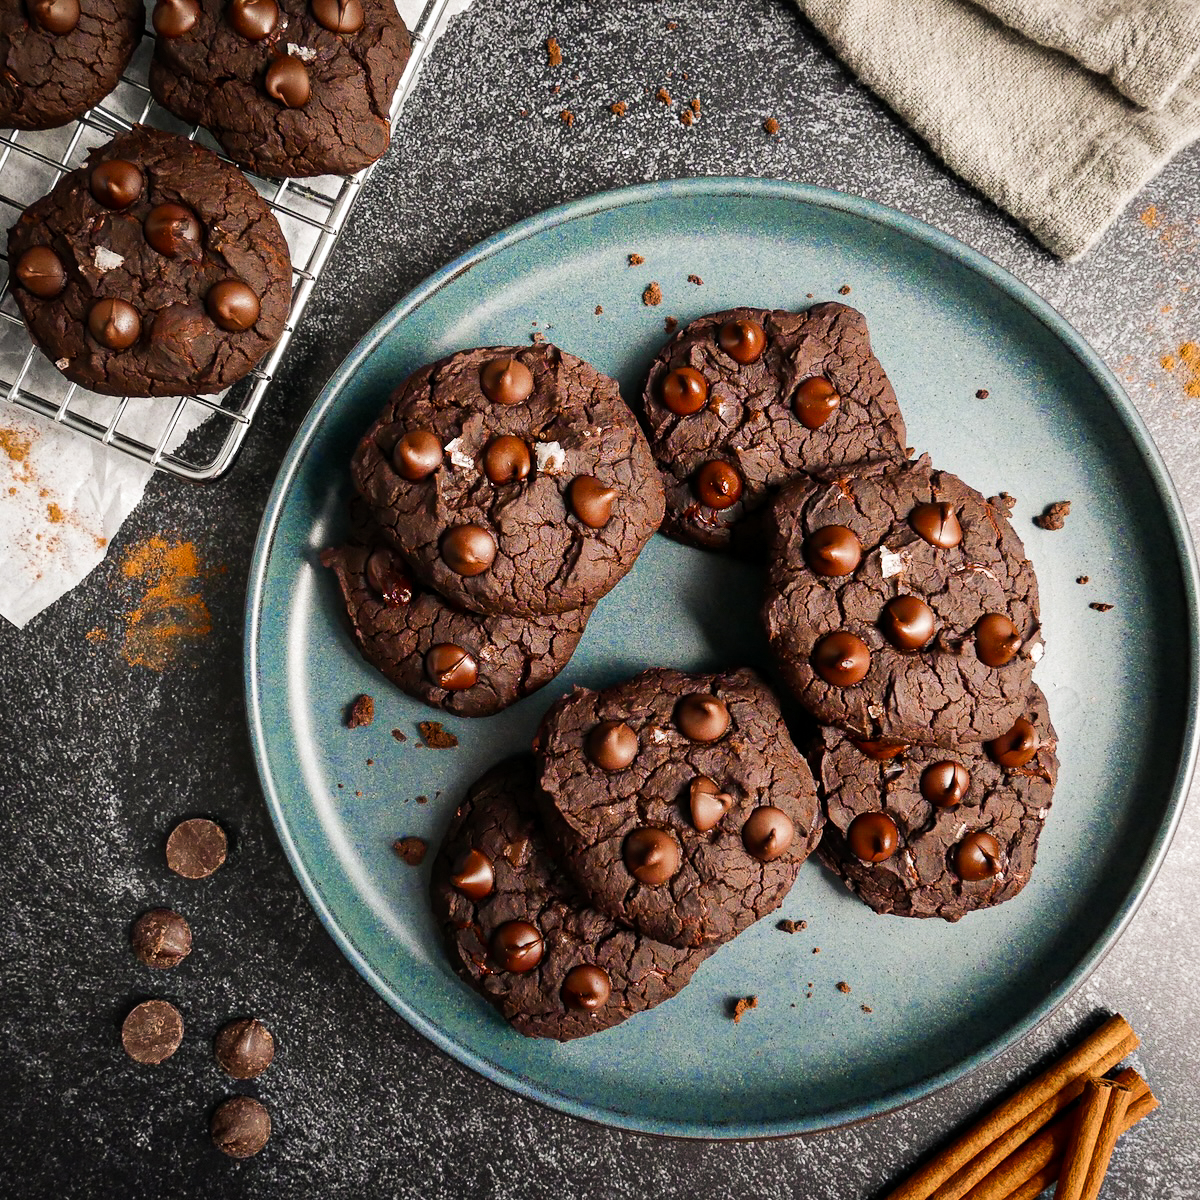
[
  {"x": 586, "y": 988},
  {"x": 196, "y": 848},
  {"x": 233, "y": 305},
  {"x": 173, "y": 230},
  {"x": 174, "y": 18},
  {"x": 152, "y": 1032},
  {"x": 245, "y": 1048},
  {"x": 879, "y": 751},
  {"x": 417, "y": 455},
  {"x": 652, "y": 856},
  {"x": 684, "y": 391},
  {"x": 387, "y": 577},
  {"x": 908, "y": 623},
  {"x": 115, "y": 324},
  {"x": 287, "y": 81},
  {"x": 55, "y": 16},
  {"x": 473, "y": 875},
  {"x": 611, "y": 745},
  {"x": 717, "y": 484},
  {"x": 116, "y": 184},
  {"x": 41, "y": 272},
  {"x": 507, "y": 460},
  {"x": 240, "y": 1127},
  {"x": 816, "y": 400},
  {"x": 977, "y": 857},
  {"x": 701, "y": 717},
  {"x": 591, "y": 501},
  {"x": 832, "y": 551},
  {"x": 997, "y": 639},
  {"x": 253, "y": 19},
  {"x": 339, "y": 16},
  {"x": 161, "y": 938},
  {"x": 767, "y": 833},
  {"x": 1016, "y": 747},
  {"x": 468, "y": 549},
  {"x": 873, "y": 836},
  {"x": 516, "y": 946},
  {"x": 841, "y": 659},
  {"x": 506, "y": 381},
  {"x": 743, "y": 340},
  {"x": 944, "y": 784},
  {"x": 707, "y": 803},
  {"x": 451, "y": 667},
  {"x": 937, "y": 523}
]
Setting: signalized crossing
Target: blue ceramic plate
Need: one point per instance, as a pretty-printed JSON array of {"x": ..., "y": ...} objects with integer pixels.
[{"x": 928, "y": 1001}]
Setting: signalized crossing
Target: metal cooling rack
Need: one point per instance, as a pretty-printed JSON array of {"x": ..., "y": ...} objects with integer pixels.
[{"x": 195, "y": 437}]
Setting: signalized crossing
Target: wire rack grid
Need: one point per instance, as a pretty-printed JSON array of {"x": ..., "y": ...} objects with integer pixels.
[{"x": 194, "y": 437}]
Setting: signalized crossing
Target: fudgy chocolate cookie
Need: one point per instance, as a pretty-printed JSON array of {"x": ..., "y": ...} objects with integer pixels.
[
  {"x": 926, "y": 832},
  {"x": 153, "y": 270},
  {"x": 520, "y": 933},
  {"x": 514, "y": 480},
  {"x": 288, "y": 87},
  {"x": 60, "y": 57},
  {"x": 739, "y": 402},
  {"x": 900, "y": 605},
  {"x": 462, "y": 662},
  {"x": 678, "y": 802}
]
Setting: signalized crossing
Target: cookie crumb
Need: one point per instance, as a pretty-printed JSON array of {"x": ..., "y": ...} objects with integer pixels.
[
  {"x": 844, "y": 290},
  {"x": 696, "y": 280},
  {"x": 370, "y": 762},
  {"x": 617, "y": 108},
  {"x": 567, "y": 117},
  {"x": 982, "y": 394},
  {"x": 652, "y": 296},
  {"x": 433, "y": 735},
  {"x": 422, "y": 799},
  {"x": 771, "y": 126},
  {"x": 1054, "y": 516},
  {"x": 599, "y": 309},
  {"x": 1004, "y": 502},
  {"x": 1099, "y": 606},
  {"x": 816, "y": 950},
  {"x": 742, "y": 1006},
  {"x": 670, "y": 324},
  {"x": 687, "y": 117},
  {"x": 792, "y": 926},
  {"x": 399, "y": 736},
  {"x": 866, "y": 1008},
  {"x": 411, "y": 849},
  {"x": 694, "y": 104},
  {"x": 1082, "y": 579},
  {"x": 843, "y": 987},
  {"x": 537, "y": 338},
  {"x": 663, "y": 95},
  {"x": 636, "y": 260},
  {"x": 361, "y": 712},
  {"x": 553, "y": 52}
]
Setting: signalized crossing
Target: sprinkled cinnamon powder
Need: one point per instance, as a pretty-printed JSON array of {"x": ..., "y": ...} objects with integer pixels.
[
  {"x": 663, "y": 95},
  {"x": 567, "y": 117},
  {"x": 171, "y": 613},
  {"x": 553, "y": 52},
  {"x": 1189, "y": 358},
  {"x": 617, "y": 107},
  {"x": 15, "y": 445},
  {"x": 96, "y": 635},
  {"x": 54, "y": 513},
  {"x": 771, "y": 126},
  {"x": 1149, "y": 217}
]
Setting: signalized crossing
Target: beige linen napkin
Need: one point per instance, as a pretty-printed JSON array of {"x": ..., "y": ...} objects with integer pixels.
[{"x": 1050, "y": 141}]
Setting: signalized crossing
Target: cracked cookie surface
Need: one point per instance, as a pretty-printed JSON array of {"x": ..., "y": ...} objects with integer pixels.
[
  {"x": 934, "y": 810},
  {"x": 533, "y": 500},
  {"x": 884, "y": 633},
  {"x": 153, "y": 270},
  {"x": 464, "y": 663},
  {"x": 582, "y": 972},
  {"x": 287, "y": 87},
  {"x": 678, "y": 802},
  {"x": 812, "y": 397}
]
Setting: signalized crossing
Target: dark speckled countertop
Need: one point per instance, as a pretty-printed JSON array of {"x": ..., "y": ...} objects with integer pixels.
[{"x": 98, "y": 758}]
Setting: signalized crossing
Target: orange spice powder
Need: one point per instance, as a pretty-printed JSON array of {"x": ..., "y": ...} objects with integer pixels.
[{"x": 171, "y": 613}]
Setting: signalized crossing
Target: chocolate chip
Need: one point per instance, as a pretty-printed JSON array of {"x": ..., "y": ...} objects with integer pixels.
[
  {"x": 451, "y": 667},
  {"x": 873, "y": 836},
  {"x": 977, "y": 857},
  {"x": 196, "y": 848},
  {"x": 832, "y": 551},
  {"x": 339, "y": 16},
  {"x": 116, "y": 184},
  {"x": 743, "y": 340},
  {"x": 115, "y": 324},
  {"x": 841, "y": 659},
  {"x": 996, "y": 639},
  {"x": 152, "y": 1032},
  {"x": 240, "y": 1127},
  {"x": 944, "y": 784},
  {"x": 908, "y": 623},
  {"x": 173, "y": 230},
  {"x": 507, "y": 460},
  {"x": 161, "y": 938},
  {"x": 174, "y": 18},
  {"x": 55, "y": 16},
  {"x": 586, "y": 988},
  {"x": 387, "y": 577},
  {"x": 516, "y": 946},
  {"x": 701, "y": 717},
  {"x": 473, "y": 875},
  {"x": 816, "y": 400},
  {"x": 707, "y": 803},
  {"x": 717, "y": 484},
  {"x": 417, "y": 455},
  {"x": 611, "y": 745},
  {"x": 767, "y": 833},
  {"x": 506, "y": 381},
  {"x": 233, "y": 305},
  {"x": 880, "y": 751},
  {"x": 684, "y": 391},
  {"x": 287, "y": 81},
  {"x": 591, "y": 501},
  {"x": 937, "y": 523},
  {"x": 244, "y": 1049},
  {"x": 1016, "y": 747},
  {"x": 41, "y": 272},
  {"x": 652, "y": 856},
  {"x": 253, "y": 19},
  {"x": 468, "y": 549}
]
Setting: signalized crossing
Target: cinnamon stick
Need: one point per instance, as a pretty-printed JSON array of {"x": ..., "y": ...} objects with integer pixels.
[
  {"x": 1110, "y": 1130},
  {"x": 1092, "y": 1109},
  {"x": 1039, "y": 1096}
]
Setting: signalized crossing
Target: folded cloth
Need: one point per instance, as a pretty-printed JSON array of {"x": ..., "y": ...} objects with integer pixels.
[{"x": 1050, "y": 141}]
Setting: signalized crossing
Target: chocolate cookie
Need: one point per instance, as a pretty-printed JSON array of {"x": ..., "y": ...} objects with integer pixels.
[
  {"x": 514, "y": 480},
  {"x": 520, "y": 933},
  {"x": 926, "y": 832},
  {"x": 288, "y": 87},
  {"x": 153, "y": 270},
  {"x": 678, "y": 802},
  {"x": 60, "y": 57},
  {"x": 462, "y": 662},
  {"x": 739, "y": 402},
  {"x": 901, "y": 605}
]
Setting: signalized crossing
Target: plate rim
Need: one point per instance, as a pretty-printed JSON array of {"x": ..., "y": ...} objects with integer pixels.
[{"x": 804, "y": 195}]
